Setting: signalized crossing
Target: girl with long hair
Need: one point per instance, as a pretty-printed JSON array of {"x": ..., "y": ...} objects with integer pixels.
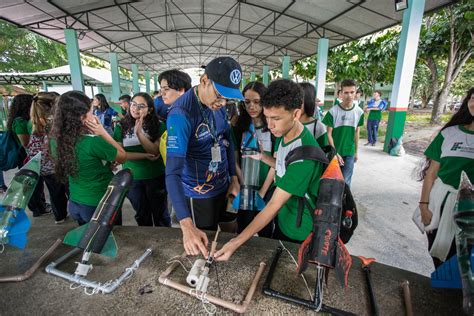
[
  {"x": 450, "y": 153},
  {"x": 139, "y": 132},
  {"x": 41, "y": 120},
  {"x": 251, "y": 128},
  {"x": 19, "y": 125},
  {"x": 82, "y": 149},
  {"x": 104, "y": 112},
  {"x": 317, "y": 129}
]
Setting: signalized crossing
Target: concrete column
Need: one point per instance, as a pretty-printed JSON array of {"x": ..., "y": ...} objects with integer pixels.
[
  {"x": 147, "y": 81},
  {"x": 265, "y": 75},
  {"x": 45, "y": 86},
  {"x": 244, "y": 82},
  {"x": 136, "y": 86},
  {"x": 155, "y": 82},
  {"x": 253, "y": 76},
  {"x": 285, "y": 67},
  {"x": 74, "y": 59},
  {"x": 321, "y": 68},
  {"x": 406, "y": 59},
  {"x": 114, "y": 69}
]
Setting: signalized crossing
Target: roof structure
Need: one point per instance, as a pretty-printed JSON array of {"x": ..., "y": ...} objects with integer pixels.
[
  {"x": 163, "y": 34},
  {"x": 58, "y": 76}
]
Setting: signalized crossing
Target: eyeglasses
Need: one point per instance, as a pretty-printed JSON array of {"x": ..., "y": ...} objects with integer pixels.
[{"x": 140, "y": 106}]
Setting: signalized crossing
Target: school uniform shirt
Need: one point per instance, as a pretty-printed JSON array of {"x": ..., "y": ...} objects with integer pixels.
[
  {"x": 319, "y": 131},
  {"x": 20, "y": 126},
  {"x": 376, "y": 115},
  {"x": 93, "y": 172},
  {"x": 191, "y": 137},
  {"x": 453, "y": 148},
  {"x": 299, "y": 179},
  {"x": 344, "y": 123},
  {"x": 251, "y": 139},
  {"x": 141, "y": 169},
  {"x": 105, "y": 117}
]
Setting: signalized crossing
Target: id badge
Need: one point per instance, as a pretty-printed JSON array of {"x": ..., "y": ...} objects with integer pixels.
[{"x": 216, "y": 153}]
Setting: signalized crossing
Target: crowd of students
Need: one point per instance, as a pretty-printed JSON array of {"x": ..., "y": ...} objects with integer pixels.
[{"x": 83, "y": 141}]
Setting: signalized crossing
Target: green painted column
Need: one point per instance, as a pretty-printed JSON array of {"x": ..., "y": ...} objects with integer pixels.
[
  {"x": 155, "y": 82},
  {"x": 253, "y": 75},
  {"x": 285, "y": 67},
  {"x": 244, "y": 83},
  {"x": 321, "y": 68},
  {"x": 114, "y": 69},
  {"x": 45, "y": 86},
  {"x": 266, "y": 77},
  {"x": 74, "y": 59},
  {"x": 136, "y": 86},
  {"x": 147, "y": 81},
  {"x": 404, "y": 70}
]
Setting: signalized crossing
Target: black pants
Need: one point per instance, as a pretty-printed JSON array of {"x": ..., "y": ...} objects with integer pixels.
[
  {"x": 208, "y": 213},
  {"x": 57, "y": 196},
  {"x": 244, "y": 218},
  {"x": 149, "y": 200}
]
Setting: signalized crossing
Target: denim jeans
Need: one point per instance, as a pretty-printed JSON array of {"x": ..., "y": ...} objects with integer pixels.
[
  {"x": 372, "y": 130},
  {"x": 80, "y": 212},
  {"x": 57, "y": 196},
  {"x": 149, "y": 200},
  {"x": 348, "y": 169}
]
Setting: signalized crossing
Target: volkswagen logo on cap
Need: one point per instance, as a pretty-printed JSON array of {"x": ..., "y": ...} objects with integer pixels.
[{"x": 235, "y": 76}]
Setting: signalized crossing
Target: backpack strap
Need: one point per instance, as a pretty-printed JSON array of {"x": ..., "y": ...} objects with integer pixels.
[{"x": 307, "y": 152}]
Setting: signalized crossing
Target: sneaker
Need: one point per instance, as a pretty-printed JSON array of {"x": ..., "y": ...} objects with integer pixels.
[
  {"x": 61, "y": 220},
  {"x": 366, "y": 144},
  {"x": 373, "y": 144}
]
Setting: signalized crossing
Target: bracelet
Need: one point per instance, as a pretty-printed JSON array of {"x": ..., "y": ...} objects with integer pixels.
[{"x": 421, "y": 202}]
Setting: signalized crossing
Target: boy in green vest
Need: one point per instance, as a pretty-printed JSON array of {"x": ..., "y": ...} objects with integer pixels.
[{"x": 282, "y": 108}]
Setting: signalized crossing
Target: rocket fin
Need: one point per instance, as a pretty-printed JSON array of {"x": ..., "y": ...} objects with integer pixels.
[
  {"x": 259, "y": 202},
  {"x": 110, "y": 247},
  {"x": 74, "y": 236},
  {"x": 236, "y": 202},
  {"x": 21, "y": 225}
]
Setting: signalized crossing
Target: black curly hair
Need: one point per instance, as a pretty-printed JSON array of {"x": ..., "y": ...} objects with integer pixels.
[
  {"x": 461, "y": 117},
  {"x": 72, "y": 106},
  {"x": 20, "y": 107},
  {"x": 151, "y": 123},
  {"x": 309, "y": 97},
  {"x": 244, "y": 120},
  {"x": 283, "y": 93}
]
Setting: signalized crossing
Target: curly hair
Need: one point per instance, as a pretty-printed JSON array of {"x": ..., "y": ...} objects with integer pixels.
[
  {"x": 103, "y": 104},
  {"x": 283, "y": 93},
  {"x": 309, "y": 97},
  {"x": 68, "y": 127},
  {"x": 151, "y": 123},
  {"x": 461, "y": 117},
  {"x": 20, "y": 107},
  {"x": 244, "y": 120},
  {"x": 42, "y": 111}
]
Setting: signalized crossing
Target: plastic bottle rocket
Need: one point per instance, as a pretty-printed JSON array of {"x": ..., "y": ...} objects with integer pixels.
[
  {"x": 248, "y": 197},
  {"x": 464, "y": 219},
  {"x": 14, "y": 222}
]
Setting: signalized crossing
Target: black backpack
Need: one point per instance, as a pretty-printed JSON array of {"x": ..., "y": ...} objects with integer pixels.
[{"x": 324, "y": 156}]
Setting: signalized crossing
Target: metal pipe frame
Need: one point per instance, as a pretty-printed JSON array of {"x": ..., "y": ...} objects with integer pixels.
[
  {"x": 238, "y": 308},
  {"x": 105, "y": 288},
  {"x": 296, "y": 300}
]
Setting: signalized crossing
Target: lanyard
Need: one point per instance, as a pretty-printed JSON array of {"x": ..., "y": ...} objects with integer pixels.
[{"x": 210, "y": 124}]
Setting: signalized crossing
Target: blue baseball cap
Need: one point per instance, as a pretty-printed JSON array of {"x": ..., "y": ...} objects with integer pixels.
[{"x": 226, "y": 74}]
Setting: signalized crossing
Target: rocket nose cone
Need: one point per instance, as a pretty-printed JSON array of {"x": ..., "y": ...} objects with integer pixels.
[{"x": 333, "y": 171}]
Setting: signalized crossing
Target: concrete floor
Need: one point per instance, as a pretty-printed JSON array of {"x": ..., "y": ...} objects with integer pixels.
[{"x": 386, "y": 196}]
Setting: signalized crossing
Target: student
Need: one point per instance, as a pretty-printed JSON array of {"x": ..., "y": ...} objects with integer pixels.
[
  {"x": 450, "y": 153},
  {"x": 314, "y": 125},
  {"x": 20, "y": 125},
  {"x": 82, "y": 149},
  {"x": 343, "y": 123},
  {"x": 173, "y": 84},
  {"x": 124, "y": 101},
  {"x": 282, "y": 108},
  {"x": 41, "y": 121},
  {"x": 200, "y": 166},
  {"x": 375, "y": 107},
  {"x": 104, "y": 112},
  {"x": 140, "y": 132},
  {"x": 251, "y": 130}
]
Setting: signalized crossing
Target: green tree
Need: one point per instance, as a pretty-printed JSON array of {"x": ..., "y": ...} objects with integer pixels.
[{"x": 445, "y": 46}]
